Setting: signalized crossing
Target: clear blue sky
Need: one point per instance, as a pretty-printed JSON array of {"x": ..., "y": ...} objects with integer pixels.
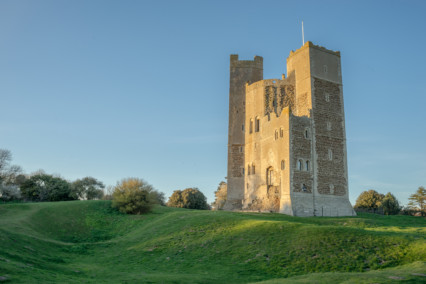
[{"x": 115, "y": 89}]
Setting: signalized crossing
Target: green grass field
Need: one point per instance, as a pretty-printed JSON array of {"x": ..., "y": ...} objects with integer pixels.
[{"x": 87, "y": 242}]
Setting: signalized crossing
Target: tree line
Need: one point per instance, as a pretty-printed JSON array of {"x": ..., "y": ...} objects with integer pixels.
[
  {"x": 130, "y": 195},
  {"x": 136, "y": 196},
  {"x": 40, "y": 186},
  {"x": 374, "y": 202}
]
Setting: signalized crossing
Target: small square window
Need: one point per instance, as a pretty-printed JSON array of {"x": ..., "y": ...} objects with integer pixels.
[{"x": 327, "y": 97}]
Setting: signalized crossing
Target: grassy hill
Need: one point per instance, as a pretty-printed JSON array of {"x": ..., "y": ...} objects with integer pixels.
[{"x": 86, "y": 241}]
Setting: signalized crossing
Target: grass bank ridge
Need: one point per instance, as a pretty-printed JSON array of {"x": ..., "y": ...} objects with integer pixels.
[{"x": 88, "y": 242}]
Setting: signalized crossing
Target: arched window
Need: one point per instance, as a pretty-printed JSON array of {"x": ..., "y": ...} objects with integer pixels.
[
  {"x": 300, "y": 165},
  {"x": 257, "y": 126},
  {"x": 304, "y": 188},
  {"x": 282, "y": 164},
  {"x": 270, "y": 176},
  {"x": 307, "y": 166},
  {"x": 330, "y": 155},
  {"x": 281, "y": 132},
  {"x": 253, "y": 169}
]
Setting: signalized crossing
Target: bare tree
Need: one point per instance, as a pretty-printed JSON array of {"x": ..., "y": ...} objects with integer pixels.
[{"x": 8, "y": 172}]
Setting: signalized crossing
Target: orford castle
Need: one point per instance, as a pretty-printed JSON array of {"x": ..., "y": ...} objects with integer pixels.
[{"x": 287, "y": 141}]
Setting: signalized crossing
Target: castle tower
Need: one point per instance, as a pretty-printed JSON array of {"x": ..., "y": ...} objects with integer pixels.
[
  {"x": 241, "y": 72},
  {"x": 287, "y": 140},
  {"x": 319, "y": 96}
]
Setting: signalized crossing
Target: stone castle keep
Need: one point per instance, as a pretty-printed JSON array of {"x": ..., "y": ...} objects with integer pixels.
[{"x": 286, "y": 139}]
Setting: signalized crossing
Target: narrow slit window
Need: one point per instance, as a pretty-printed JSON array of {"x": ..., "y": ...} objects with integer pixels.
[
  {"x": 251, "y": 125},
  {"x": 330, "y": 155},
  {"x": 281, "y": 132},
  {"x": 328, "y": 125},
  {"x": 253, "y": 169},
  {"x": 307, "y": 133},
  {"x": 248, "y": 170},
  {"x": 300, "y": 165},
  {"x": 282, "y": 165},
  {"x": 257, "y": 127},
  {"x": 276, "y": 134},
  {"x": 307, "y": 166}
]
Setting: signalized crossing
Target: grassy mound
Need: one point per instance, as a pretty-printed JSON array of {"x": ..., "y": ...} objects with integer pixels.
[{"x": 86, "y": 241}]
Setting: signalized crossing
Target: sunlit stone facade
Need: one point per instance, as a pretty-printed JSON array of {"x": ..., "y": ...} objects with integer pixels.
[{"x": 287, "y": 141}]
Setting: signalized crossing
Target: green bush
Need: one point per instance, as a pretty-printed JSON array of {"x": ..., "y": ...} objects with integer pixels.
[
  {"x": 390, "y": 204},
  {"x": 43, "y": 187},
  {"x": 134, "y": 196},
  {"x": 88, "y": 188},
  {"x": 371, "y": 200},
  {"x": 191, "y": 198}
]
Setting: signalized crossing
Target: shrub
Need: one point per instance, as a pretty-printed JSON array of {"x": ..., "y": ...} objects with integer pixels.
[
  {"x": 370, "y": 200},
  {"x": 390, "y": 204},
  {"x": 134, "y": 196},
  {"x": 191, "y": 198},
  {"x": 43, "y": 187},
  {"x": 220, "y": 195},
  {"x": 9, "y": 193},
  {"x": 88, "y": 188}
]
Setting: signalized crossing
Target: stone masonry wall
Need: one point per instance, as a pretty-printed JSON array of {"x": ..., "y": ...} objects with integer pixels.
[
  {"x": 301, "y": 151},
  {"x": 241, "y": 72},
  {"x": 328, "y": 117}
]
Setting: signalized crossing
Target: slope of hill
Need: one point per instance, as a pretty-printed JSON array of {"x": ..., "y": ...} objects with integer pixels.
[{"x": 86, "y": 241}]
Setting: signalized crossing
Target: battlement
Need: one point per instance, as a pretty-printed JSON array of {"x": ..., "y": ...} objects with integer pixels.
[
  {"x": 257, "y": 62},
  {"x": 309, "y": 44}
]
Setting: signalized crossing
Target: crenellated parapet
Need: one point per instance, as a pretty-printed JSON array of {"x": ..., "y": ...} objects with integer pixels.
[{"x": 257, "y": 62}]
